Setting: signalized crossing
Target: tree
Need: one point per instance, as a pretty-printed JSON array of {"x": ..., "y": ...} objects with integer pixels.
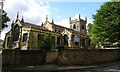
[
  {"x": 89, "y": 26},
  {"x": 45, "y": 44},
  {"x": 5, "y": 19},
  {"x": 106, "y": 25},
  {"x": 114, "y": 0}
]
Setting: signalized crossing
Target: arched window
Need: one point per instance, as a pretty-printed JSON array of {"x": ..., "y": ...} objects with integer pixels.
[
  {"x": 16, "y": 33},
  {"x": 65, "y": 39},
  {"x": 74, "y": 27},
  {"x": 8, "y": 42}
]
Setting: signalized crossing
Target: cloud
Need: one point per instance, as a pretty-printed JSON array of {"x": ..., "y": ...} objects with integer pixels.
[
  {"x": 58, "y": 16},
  {"x": 64, "y": 22},
  {"x": 33, "y": 11}
]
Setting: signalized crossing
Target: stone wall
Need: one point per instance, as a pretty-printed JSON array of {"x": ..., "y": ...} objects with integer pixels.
[
  {"x": 10, "y": 57},
  {"x": 82, "y": 57},
  {"x": 26, "y": 57},
  {"x": 67, "y": 57},
  {"x": 51, "y": 57}
]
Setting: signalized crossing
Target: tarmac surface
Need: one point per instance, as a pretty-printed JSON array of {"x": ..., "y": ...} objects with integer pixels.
[{"x": 104, "y": 67}]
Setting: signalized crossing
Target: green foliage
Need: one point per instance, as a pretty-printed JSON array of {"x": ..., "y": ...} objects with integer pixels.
[
  {"x": 106, "y": 25},
  {"x": 46, "y": 42},
  {"x": 5, "y": 19},
  {"x": 114, "y": 0},
  {"x": 89, "y": 27}
]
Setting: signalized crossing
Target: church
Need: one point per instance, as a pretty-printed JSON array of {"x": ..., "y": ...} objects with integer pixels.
[{"x": 25, "y": 36}]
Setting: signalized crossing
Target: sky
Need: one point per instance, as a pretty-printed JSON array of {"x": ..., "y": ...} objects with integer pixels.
[{"x": 35, "y": 11}]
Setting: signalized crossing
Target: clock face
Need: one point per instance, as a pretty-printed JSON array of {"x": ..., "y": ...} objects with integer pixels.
[{"x": 76, "y": 38}]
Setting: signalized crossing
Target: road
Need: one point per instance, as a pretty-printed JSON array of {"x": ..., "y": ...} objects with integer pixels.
[
  {"x": 111, "y": 68},
  {"x": 106, "y": 67}
]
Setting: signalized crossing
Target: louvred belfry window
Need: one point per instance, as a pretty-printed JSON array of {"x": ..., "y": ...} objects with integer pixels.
[{"x": 74, "y": 27}]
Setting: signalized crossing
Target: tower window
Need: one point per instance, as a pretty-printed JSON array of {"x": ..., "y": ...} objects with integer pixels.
[
  {"x": 74, "y": 27},
  {"x": 83, "y": 27}
]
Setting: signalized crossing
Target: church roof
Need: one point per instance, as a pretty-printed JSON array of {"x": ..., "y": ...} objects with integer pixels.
[{"x": 28, "y": 25}]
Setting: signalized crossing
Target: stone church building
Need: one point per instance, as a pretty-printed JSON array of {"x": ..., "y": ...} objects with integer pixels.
[{"x": 25, "y": 36}]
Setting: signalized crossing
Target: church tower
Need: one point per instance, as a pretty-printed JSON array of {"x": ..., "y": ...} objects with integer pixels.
[{"x": 78, "y": 24}]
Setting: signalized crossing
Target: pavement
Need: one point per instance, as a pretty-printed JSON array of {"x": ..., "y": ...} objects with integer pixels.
[{"x": 57, "y": 68}]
